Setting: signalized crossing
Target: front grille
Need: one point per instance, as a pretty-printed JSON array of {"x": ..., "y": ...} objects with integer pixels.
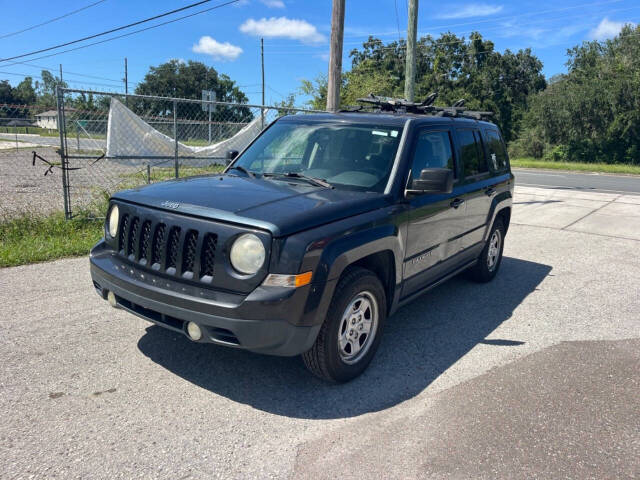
[
  {"x": 158, "y": 244},
  {"x": 208, "y": 255},
  {"x": 124, "y": 229},
  {"x": 144, "y": 240},
  {"x": 170, "y": 245},
  {"x": 164, "y": 248},
  {"x": 189, "y": 254},
  {"x": 133, "y": 236}
]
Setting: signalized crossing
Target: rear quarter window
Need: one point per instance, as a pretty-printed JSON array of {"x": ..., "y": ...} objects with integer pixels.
[
  {"x": 471, "y": 153},
  {"x": 496, "y": 151}
]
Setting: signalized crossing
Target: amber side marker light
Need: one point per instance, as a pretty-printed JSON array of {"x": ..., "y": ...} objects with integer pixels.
[{"x": 291, "y": 281}]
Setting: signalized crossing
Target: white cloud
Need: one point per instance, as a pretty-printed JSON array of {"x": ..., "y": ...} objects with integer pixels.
[
  {"x": 283, "y": 27},
  {"x": 606, "y": 29},
  {"x": 472, "y": 10},
  {"x": 273, "y": 3},
  {"x": 219, "y": 51}
]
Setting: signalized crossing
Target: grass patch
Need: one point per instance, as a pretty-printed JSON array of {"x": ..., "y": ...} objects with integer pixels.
[
  {"x": 31, "y": 239},
  {"x": 576, "y": 166},
  {"x": 160, "y": 174},
  {"x": 45, "y": 132}
]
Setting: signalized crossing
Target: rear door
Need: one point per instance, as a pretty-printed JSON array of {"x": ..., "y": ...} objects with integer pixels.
[
  {"x": 436, "y": 221},
  {"x": 477, "y": 184}
]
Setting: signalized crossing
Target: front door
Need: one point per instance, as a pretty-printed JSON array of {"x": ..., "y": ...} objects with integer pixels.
[{"x": 436, "y": 221}]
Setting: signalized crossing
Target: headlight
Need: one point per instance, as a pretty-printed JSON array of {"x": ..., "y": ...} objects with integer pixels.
[
  {"x": 247, "y": 254},
  {"x": 114, "y": 216}
]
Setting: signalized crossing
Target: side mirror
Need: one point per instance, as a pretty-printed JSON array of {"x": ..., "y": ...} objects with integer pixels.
[
  {"x": 432, "y": 180},
  {"x": 231, "y": 155}
]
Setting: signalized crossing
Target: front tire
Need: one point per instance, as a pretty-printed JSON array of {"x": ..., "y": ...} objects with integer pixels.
[
  {"x": 491, "y": 257},
  {"x": 350, "y": 335}
]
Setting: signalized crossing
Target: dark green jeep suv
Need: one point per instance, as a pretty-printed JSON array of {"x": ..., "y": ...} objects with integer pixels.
[{"x": 314, "y": 235}]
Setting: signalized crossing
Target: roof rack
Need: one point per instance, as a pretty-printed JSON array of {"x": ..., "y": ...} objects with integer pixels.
[{"x": 426, "y": 107}]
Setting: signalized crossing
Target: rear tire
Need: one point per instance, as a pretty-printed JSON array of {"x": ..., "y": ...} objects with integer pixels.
[
  {"x": 491, "y": 257},
  {"x": 350, "y": 335}
]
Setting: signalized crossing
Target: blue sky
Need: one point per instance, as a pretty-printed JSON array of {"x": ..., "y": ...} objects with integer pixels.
[{"x": 296, "y": 34}]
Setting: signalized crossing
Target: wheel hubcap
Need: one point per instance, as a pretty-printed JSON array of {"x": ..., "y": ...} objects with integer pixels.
[
  {"x": 358, "y": 327},
  {"x": 493, "y": 253}
]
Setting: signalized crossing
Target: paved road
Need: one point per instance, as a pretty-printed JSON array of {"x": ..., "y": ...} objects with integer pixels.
[
  {"x": 534, "y": 375},
  {"x": 84, "y": 143},
  {"x": 579, "y": 181}
]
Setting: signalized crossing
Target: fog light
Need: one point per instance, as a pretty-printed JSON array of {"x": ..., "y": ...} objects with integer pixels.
[
  {"x": 194, "y": 331},
  {"x": 111, "y": 298}
]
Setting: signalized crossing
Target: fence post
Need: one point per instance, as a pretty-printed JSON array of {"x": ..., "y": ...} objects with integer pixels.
[
  {"x": 175, "y": 137},
  {"x": 148, "y": 173},
  {"x": 63, "y": 155}
]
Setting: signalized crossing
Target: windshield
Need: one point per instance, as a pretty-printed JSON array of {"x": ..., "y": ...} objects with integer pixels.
[{"x": 348, "y": 156}]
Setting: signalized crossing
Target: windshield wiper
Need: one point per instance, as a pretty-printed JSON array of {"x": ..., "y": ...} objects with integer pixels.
[
  {"x": 319, "y": 182},
  {"x": 240, "y": 168}
]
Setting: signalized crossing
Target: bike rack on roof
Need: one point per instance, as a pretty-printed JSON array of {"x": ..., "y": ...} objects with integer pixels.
[{"x": 426, "y": 107}]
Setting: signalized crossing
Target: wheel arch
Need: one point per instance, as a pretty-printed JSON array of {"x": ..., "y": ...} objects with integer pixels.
[{"x": 382, "y": 264}]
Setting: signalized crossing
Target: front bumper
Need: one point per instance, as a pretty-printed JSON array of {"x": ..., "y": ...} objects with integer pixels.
[{"x": 265, "y": 321}]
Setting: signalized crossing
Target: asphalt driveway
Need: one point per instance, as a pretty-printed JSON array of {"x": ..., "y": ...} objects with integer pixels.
[{"x": 535, "y": 375}]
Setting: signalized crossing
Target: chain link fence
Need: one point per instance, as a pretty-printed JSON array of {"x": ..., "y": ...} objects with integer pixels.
[
  {"x": 71, "y": 156},
  {"x": 146, "y": 139},
  {"x": 25, "y": 129}
]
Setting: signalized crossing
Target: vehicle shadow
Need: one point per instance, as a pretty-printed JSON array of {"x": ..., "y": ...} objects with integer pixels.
[{"x": 421, "y": 341}]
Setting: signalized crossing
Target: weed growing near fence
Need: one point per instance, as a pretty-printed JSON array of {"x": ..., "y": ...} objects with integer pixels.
[{"x": 31, "y": 238}]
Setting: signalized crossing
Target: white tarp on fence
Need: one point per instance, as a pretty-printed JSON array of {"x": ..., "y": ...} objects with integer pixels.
[{"x": 130, "y": 136}]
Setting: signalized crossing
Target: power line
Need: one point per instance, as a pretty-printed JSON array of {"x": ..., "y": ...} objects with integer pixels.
[
  {"x": 51, "y": 21},
  {"x": 131, "y": 33},
  {"x": 155, "y": 17},
  {"x": 68, "y": 72},
  {"x": 75, "y": 82}
]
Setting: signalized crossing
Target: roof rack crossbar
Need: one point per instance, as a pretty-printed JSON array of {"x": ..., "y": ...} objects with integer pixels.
[{"x": 401, "y": 105}]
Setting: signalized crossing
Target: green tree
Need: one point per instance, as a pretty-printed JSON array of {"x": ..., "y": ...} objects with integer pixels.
[
  {"x": 24, "y": 93},
  {"x": 593, "y": 112},
  {"x": 176, "y": 78},
  {"x": 6, "y": 92},
  {"x": 450, "y": 65},
  {"x": 46, "y": 89}
]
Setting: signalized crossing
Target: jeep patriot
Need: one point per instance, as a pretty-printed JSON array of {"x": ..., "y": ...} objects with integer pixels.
[{"x": 314, "y": 235}]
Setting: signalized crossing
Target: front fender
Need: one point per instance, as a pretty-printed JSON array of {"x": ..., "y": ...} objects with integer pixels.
[{"x": 330, "y": 249}]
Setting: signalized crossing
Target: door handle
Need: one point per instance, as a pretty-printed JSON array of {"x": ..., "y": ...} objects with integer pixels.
[
  {"x": 457, "y": 202},
  {"x": 490, "y": 191}
]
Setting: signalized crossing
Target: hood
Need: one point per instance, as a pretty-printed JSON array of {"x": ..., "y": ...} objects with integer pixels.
[{"x": 278, "y": 206}]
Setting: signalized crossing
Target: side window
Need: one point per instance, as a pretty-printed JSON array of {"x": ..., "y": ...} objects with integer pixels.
[
  {"x": 472, "y": 154},
  {"x": 496, "y": 150},
  {"x": 433, "y": 150}
]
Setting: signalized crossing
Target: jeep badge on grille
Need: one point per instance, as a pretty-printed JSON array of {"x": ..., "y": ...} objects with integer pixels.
[{"x": 169, "y": 204}]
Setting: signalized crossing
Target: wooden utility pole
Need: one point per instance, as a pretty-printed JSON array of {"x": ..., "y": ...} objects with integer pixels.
[
  {"x": 335, "y": 59},
  {"x": 410, "y": 69},
  {"x": 126, "y": 83},
  {"x": 60, "y": 73}
]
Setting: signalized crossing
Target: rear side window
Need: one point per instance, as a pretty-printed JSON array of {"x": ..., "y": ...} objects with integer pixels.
[
  {"x": 433, "y": 150},
  {"x": 496, "y": 150},
  {"x": 471, "y": 153}
]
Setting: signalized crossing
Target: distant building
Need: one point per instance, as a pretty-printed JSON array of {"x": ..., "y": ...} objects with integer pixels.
[{"x": 49, "y": 119}]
